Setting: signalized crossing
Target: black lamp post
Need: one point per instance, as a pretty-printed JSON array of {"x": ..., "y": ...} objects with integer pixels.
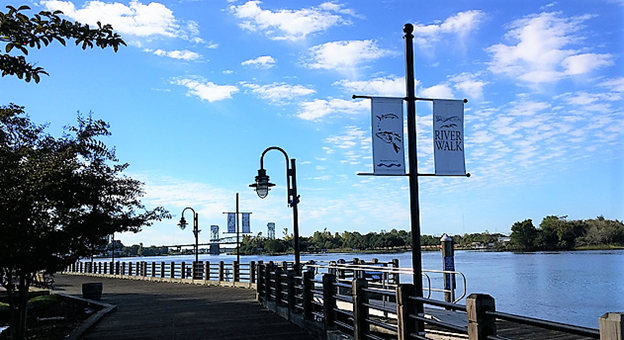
[
  {"x": 196, "y": 231},
  {"x": 262, "y": 187}
]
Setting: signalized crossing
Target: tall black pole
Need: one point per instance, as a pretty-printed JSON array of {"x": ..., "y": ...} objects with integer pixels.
[
  {"x": 237, "y": 232},
  {"x": 196, "y": 232},
  {"x": 294, "y": 203},
  {"x": 413, "y": 165}
]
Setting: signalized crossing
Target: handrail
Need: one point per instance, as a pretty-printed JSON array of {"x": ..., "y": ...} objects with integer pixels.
[{"x": 551, "y": 325}]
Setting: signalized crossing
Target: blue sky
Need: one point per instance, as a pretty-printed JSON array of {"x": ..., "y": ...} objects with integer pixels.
[{"x": 205, "y": 86}]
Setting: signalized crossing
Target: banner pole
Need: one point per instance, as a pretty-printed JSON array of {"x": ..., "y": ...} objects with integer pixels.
[{"x": 413, "y": 169}]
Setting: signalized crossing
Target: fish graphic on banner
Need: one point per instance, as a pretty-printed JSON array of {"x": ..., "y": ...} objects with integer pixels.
[{"x": 387, "y": 133}]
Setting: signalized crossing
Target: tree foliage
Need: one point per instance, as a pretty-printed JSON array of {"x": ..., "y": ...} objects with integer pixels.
[
  {"x": 20, "y": 33},
  {"x": 59, "y": 199}
]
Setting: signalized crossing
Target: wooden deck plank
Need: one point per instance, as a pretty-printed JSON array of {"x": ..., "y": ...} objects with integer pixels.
[{"x": 153, "y": 310}]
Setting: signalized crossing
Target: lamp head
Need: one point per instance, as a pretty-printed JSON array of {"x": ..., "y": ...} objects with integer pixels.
[
  {"x": 182, "y": 224},
  {"x": 262, "y": 185}
]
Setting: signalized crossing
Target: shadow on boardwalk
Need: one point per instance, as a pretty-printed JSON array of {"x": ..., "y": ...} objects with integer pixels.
[{"x": 158, "y": 310}]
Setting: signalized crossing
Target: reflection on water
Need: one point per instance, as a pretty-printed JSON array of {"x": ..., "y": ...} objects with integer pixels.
[{"x": 570, "y": 287}]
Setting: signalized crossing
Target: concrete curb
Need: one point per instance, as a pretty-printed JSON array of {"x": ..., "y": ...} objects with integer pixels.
[{"x": 105, "y": 308}]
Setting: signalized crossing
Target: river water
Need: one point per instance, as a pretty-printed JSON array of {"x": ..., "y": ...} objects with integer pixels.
[{"x": 570, "y": 287}]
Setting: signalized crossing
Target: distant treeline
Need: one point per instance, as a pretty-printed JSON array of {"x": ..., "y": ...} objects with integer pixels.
[
  {"x": 557, "y": 233},
  {"x": 553, "y": 233}
]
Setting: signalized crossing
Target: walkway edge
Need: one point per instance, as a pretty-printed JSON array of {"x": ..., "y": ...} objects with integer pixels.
[{"x": 92, "y": 320}]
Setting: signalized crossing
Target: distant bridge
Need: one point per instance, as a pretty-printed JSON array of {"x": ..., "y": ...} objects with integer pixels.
[{"x": 212, "y": 244}]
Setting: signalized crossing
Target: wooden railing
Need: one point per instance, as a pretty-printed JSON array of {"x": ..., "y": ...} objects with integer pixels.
[
  {"x": 331, "y": 309},
  {"x": 348, "y": 303},
  {"x": 219, "y": 273}
]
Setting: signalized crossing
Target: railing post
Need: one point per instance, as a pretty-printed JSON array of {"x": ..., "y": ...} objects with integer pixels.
[
  {"x": 144, "y": 268},
  {"x": 612, "y": 326},
  {"x": 395, "y": 264},
  {"x": 236, "y": 269},
  {"x": 307, "y": 294},
  {"x": 172, "y": 270},
  {"x": 278, "y": 285},
  {"x": 260, "y": 284},
  {"x": 267, "y": 282},
  {"x": 221, "y": 272},
  {"x": 153, "y": 269},
  {"x": 329, "y": 301},
  {"x": 480, "y": 325},
  {"x": 207, "y": 271},
  {"x": 405, "y": 307},
  {"x": 360, "y": 311},
  {"x": 162, "y": 269},
  {"x": 290, "y": 279},
  {"x": 198, "y": 268},
  {"x": 182, "y": 270},
  {"x": 130, "y": 268},
  {"x": 252, "y": 272}
]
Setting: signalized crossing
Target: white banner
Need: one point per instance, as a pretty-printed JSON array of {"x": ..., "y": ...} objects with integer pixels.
[
  {"x": 387, "y": 133},
  {"x": 231, "y": 223},
  {"x": 448, "y": 137},
  {"x": 246, "y": 226}
]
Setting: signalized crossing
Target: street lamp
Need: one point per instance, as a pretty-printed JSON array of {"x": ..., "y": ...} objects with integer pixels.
[
  {"x": 262, "y": 187},
  {"x": 182, "y": 224}
]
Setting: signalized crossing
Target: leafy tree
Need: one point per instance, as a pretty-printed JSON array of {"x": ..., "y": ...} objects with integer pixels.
[
  {"x": 20, "y": 33},
  {"x": 59, "y": 200},
  {"x": 523, "y": 235}
]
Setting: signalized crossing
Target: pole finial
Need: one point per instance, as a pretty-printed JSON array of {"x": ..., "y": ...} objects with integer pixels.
[{"x": 408, "y": 28}]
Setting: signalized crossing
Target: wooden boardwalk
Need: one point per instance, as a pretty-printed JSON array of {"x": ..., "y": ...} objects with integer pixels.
[{"x": 158, "y": 310}]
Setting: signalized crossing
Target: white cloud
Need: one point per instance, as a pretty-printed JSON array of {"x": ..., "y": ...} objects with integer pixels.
[
  {"x": 442, "y": 91},
  {"x": 460, "y": 24},
  {"x": 585, "y": 63},
  {"x": 183, "y": 54},
  {"x": 289, "y": 24},
  {"x": 136, "y": 19},
  {"x": 543, "y": 53},
  {"x": 469, "y": 84},
  {"x": 277, "y": 92},
  {"x": 260, "y": 62},
  {"x": 354, "y": 144},
  {"x": 319, "y": 108},
  {"x": 615, "y": 84},
  {"x": 387, "y": 86},
  {"x": 206, "y": 90},
  {"x": 345, "y": 55}
]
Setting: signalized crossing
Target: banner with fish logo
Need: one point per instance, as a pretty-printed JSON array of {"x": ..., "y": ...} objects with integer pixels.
[
  {"x": 387, "y": 133},
  {"x": 448, "y": 137},
  {"x": 231, "y": 223},
  {"x": 246, "y": 226}
]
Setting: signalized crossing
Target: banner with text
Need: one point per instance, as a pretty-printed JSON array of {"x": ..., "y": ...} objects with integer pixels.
[
  {"x": 387, "y": 133},
  {"x": 231, "y": 223},
  {"x": 448, "y": 137},
  {"x": 246, "y": 226}
]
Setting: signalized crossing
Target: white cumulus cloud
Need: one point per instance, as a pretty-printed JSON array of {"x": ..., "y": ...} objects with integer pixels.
[
  {"x": 460, "y": 25},
  {"x": 260, "y": 62},
  {"x": 345, "y": 55},
  {"x": 287, "y": 24},
  {"x": 206, "y": 90},
  {"x": 137, "y": 19},
  {"x": 176, "y": 54},
  {"x": 319, "y": 108},
  {"x": 382, "y": 86},
  {"x": 277, "y": 92},
  {"x": 544, "y": 51}
]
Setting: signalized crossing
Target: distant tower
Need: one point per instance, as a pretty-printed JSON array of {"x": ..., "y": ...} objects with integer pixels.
[
  {"x": 271, "y": 230},
  {"x": 214, "y": 232}
]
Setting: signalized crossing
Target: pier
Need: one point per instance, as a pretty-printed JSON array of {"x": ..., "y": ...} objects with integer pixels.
[{"x": 352, "y": 301}]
